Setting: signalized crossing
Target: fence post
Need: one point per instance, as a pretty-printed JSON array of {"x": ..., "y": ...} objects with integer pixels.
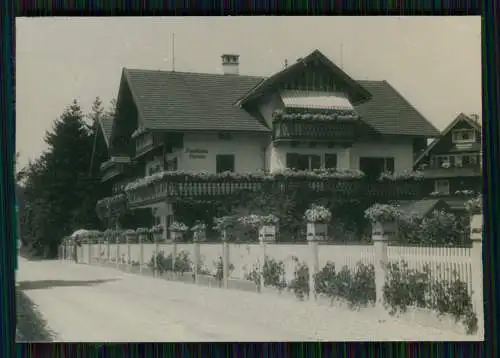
[
  {"x": 89, "y": 241},
  {"x": 267, "y": 233},
  {"x": 315, "y": 232},
  {"x": 174, "y": 237},
  {"x": 225, "y": 258},
  {"x": 117, "y": 250},
  {"x": 130, "y": 236},
  {"x": 99, "y": 247},
  {"x": 141, "y": 252},
  {"x": 197, "y": 237},
  {"x": 476, "y": 236},
  {"x": 381, "y": 232},
  {"x": 157, "y": 250},
  {"x": 108, "y": 247}
]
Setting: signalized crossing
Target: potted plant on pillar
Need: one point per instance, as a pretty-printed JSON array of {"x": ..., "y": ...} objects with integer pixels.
[
  {"x": 142, "y": 234},
  {"x": 199, "y": 231},
  {"x": 130, "y": 235},
  {"x": 384, "y": 219},
  {"x": 265, "y": 224},
  {"x": 177, "y": 230},
  {"x": 317, "y": 218}
]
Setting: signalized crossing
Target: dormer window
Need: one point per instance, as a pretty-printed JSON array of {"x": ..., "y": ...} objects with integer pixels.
[{"x": 461, "y": 136}]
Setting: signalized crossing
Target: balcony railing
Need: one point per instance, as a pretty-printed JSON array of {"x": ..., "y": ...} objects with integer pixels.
[
  {"x": 113, "y": 167},
  {"x": 340, "y": 188},
  {"x": 337, "y": 131},
  {"x": 145, "y": 142}
]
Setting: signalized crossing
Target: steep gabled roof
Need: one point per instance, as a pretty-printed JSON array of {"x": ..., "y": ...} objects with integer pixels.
[
  {"x": 194, "y": 101},
  {"x": 106, "y": 125},
  {"x": 461, "y": 117},
  {"x": 180, "y": 101},
  {"x": 388, "y": 112}
]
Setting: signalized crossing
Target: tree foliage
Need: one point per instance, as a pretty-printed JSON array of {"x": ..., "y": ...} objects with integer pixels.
[{"x": 61, "y": 186}]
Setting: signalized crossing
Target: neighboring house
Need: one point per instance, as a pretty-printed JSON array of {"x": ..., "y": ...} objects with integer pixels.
[
  {"x": 452, "y": 163},
  {"x": 308, "y": 116}
]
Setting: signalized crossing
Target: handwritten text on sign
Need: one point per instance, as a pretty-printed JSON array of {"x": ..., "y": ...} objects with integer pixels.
[{"x": 196, "y": 153}]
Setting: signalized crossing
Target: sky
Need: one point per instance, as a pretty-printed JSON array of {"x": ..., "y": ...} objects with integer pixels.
[{"x": 434, "y": 62}]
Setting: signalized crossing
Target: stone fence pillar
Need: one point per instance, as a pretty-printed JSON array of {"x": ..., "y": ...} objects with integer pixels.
[
  {"x": 382, "y": 232},
  {"x": 476, "y": 236},
  {"x": 316, "y": 232}
]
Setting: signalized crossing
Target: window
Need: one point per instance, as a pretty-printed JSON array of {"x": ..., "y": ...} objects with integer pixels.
[
  {"x": 172, "y": 164},
  {"x": 442, "y": 187},
  {"x": 463, "y": 136},
  {"x": 330, "y": 161},
  {"x": 303, "y": 161},
  {"x": 224, "y": 163},
  {"x": 373, "y": 167}
]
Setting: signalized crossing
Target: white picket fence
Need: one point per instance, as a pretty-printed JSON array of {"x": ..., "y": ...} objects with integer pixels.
[{"x": 442, "y": 261}]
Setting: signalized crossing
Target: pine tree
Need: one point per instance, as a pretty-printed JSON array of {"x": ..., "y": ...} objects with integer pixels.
[{"x": 57, "y": 184}]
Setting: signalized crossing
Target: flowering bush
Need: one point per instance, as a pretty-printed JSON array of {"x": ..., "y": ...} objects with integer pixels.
[
  {"x": 383, "y": 213},
  {"x": 407, "y": 287},
  {"x": 129, "y": 232},
  {"x": 138, "y": 132},
  {"x": 199, "y": 226},
  {"x": 157, "y": 229},
  {"x": 318, "y": 214},
  {"x": 406, "y": 175},
  {"x": 224, "y": 223},
  {"x": 446, "y": 165},
  {"x": 259, "y": 220},
  {"x": 142, "y": 231},
  {"x": 177, "y": 226},
  {"x": 475, "y": 205},
  {"x": 464, "y": 192},
  {"x": 327, "y": 115},
  {"x": 109, "y": 201}
]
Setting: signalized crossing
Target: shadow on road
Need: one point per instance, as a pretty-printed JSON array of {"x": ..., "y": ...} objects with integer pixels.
[{"x": 46, "y": 284}]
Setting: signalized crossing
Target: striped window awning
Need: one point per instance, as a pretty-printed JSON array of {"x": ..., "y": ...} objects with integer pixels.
[{"x": 316, "y": 100}]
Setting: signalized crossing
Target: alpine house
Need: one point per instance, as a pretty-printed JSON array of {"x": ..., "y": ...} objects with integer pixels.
[{"x": 179, "y": 134}]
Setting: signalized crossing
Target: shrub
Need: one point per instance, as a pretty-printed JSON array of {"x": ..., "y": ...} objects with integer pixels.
[
  {"x": 274, "y": 274},
  {"x": 300, "y": 283},
  {"x": 357, "y": 288},
  {"x": 219, "y": 269},
  {"x": 406, "y": 287},
  {"x": 164, "y": 263}
]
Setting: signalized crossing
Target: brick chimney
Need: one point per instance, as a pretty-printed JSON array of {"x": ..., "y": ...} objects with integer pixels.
[{"x": 230, "y": 64}]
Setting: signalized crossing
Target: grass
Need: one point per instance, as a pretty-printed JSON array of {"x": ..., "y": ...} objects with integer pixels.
[{"x": 30, "y": 327}]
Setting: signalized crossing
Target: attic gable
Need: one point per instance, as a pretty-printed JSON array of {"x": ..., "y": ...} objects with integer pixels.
[{"x": 314, "y": 72}]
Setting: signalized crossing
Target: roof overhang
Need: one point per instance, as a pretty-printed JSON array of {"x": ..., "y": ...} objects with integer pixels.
[{"x": 315, "y": 100}]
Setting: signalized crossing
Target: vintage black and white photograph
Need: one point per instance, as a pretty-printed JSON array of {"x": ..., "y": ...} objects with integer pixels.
[{"x": 241, "y": 179}]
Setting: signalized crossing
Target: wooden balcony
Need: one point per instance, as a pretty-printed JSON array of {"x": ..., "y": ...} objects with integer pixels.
[
  {"x": 145, "y": 142},
  {"x": 113, "y": 167},
  {"x": 313, "y": 130},
  {"x": 213, "y": 189},
  {"x": 436, "y": 172}
]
